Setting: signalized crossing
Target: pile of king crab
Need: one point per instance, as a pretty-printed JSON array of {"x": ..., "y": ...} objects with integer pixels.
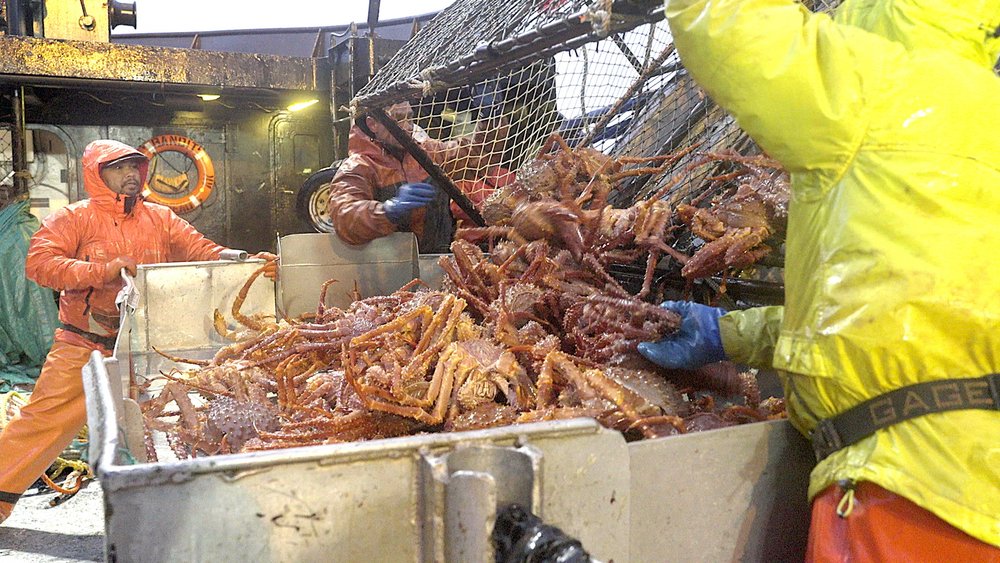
[{"x": 529, "y": 326}]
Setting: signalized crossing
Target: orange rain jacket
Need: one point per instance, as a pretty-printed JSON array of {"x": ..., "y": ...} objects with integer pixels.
[
  {"x": 70, "y": 250},
  {"x": 370, "y": 175}
]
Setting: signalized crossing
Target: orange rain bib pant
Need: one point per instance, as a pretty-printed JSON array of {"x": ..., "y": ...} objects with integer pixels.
[
  {"x": 874, "y": 522},
  {"x": 47, "y": 424}
]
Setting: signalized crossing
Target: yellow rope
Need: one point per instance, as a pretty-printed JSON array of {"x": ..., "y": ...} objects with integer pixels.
[
  {"x": 10, "y": 404},
  {"x": 81, "y": 472},
  {"x": 60, "y": 464},
  {"x": 846, "y": 504}
]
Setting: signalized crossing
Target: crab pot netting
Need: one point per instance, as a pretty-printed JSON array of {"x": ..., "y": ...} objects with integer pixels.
[{"x": 603, "y": 74}]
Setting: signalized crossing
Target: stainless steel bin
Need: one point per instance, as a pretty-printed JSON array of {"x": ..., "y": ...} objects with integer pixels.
[{"x": 735, "y": 494}]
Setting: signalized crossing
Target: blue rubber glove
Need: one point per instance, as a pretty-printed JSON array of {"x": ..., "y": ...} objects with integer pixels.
[
  {"x": 410, "y": 197},
  {"x": 697, "y": 343}
]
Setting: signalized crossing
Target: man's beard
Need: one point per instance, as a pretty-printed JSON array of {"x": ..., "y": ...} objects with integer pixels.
[{"x": 130, "y": 203}]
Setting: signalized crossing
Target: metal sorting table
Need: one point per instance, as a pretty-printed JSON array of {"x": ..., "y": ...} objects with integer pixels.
[{"x": 737, "y": 493}]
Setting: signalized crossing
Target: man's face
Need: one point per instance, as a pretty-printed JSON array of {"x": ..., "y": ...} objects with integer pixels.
[
  {"x": 402, "y": 114},
  {"x": 383, "y": 134},
  {"x": 123, "y": 177}
]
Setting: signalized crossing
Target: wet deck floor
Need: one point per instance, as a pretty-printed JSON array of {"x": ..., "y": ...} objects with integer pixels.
[{"x": 71, "y": 531}]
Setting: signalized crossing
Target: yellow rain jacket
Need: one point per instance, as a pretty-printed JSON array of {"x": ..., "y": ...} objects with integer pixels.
[{"x": 889, "y": 122}]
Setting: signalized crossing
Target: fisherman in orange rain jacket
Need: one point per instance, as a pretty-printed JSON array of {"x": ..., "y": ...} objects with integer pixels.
[{"x": 81, "y": 251}]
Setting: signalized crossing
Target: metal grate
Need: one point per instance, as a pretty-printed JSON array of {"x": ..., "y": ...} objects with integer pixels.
[{"x": 7, "y": 190}]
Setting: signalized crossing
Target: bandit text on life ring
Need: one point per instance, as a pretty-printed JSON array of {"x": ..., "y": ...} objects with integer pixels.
[{"x": 194, "y": 152}]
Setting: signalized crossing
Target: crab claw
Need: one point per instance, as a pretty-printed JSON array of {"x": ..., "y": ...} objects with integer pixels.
[
  {"x": 550, "y": 220},
  {"x": 573, "y": 240}
]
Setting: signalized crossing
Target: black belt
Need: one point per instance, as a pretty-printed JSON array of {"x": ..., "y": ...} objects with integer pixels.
[
  {"x": 863, "y": 420},
  {"x": 106, "y": 341},
  {"x": 9, "y": 498}
]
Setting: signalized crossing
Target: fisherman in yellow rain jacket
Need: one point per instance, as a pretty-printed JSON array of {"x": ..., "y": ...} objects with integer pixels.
[{"x": 888, "y": 119}]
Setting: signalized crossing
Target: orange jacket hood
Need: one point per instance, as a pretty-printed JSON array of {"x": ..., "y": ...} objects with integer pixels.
[
  {"x": 98, "y": 153},
  {"x": 358, "y": 142}
]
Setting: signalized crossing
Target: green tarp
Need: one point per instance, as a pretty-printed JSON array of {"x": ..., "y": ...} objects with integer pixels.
[{"x": 28, "y": 312}]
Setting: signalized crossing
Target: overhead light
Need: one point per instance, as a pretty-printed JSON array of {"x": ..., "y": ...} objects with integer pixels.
[
  {"x": 302, "y": 105},
  {"x": 209, "y": 97}
]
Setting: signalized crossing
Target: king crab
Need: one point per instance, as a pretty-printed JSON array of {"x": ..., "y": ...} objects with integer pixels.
[{"x": 736, "y": 226}]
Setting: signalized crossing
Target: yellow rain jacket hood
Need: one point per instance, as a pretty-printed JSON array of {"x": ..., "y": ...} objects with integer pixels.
[{"x": 887, "y": 120}]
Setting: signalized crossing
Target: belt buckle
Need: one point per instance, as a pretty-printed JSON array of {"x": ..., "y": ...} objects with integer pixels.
[{"x": 825, "y": 439}]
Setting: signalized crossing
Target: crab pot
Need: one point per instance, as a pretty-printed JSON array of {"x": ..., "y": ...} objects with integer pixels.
[{"x": 737, "y": 493}]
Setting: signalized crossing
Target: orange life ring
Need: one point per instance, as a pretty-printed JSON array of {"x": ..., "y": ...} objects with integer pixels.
[{"x": 202, "y": 162}]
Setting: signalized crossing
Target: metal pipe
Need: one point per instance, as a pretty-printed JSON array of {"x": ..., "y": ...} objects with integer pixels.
[
  {"x": 335, "y": 119},
  {"x": 234, "y": 255},
  {"x": 444, "y": 79},
  {"x": 18, "y": 150},
  {"x": 425, "y": 161},
  {"x": 352, "y": 57},
  {"x": 373, "y": 9},
  {"x": 261, "y": 93},
  {"x": 624, "y": 48},
  {"x": 485, "y": 59},
  {"x": 16, "y": 22}
]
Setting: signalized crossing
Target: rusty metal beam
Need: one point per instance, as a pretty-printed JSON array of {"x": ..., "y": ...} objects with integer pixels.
[{"x": 38, "y": 60}]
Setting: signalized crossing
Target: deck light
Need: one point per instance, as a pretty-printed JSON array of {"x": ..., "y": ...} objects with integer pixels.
[{"x": 302, "y": 105}]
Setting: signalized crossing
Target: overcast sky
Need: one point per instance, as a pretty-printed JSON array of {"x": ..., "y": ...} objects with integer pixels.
[{"x": 159, "y": 16}]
